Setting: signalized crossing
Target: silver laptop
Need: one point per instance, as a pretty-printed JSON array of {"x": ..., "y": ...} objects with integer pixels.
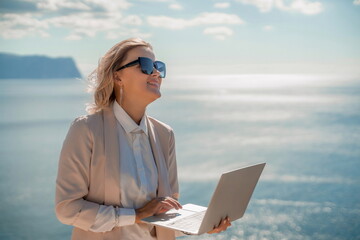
[{"x": 230, "y": 199}]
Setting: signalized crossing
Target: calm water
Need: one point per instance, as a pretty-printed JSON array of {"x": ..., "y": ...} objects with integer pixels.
[{"x": 306, "y": 128}]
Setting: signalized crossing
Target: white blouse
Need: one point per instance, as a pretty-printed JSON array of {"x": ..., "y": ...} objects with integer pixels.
[{"x": 138, "y": 179}]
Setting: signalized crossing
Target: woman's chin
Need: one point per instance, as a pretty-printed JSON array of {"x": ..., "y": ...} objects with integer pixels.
[
  {"x": 157, "y": 95},
  {"x": 155, "y": 91},
  {"x": 154, "y": 95}
]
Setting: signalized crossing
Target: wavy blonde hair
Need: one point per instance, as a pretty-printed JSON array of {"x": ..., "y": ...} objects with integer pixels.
[{"x": 101, "y": 80}]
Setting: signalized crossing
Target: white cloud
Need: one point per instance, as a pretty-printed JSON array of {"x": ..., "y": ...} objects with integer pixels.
[
  {"x": 55, "y": 5},
  {"x": 85, "y": 5},
  {"x": 202, "y": 19},
  {"x": 301, "y": 6},
  {"x": 219, "y": 33},
  {"x": 262, "y": 5},
  {"x": 167, "y": 22},
  {"x": 217, "y": 18},
  {"x": 305, "y": 7},
  {"x": 87, "y": 18},
  {"x": 80, "y": 33},
  {"x": 88, "y": 25},
  {"x": 222, "y": 5},
  {"x": 132, "y": 20},
  {"x": 268, "y": 28},
  {"x": 110, "y": 5},
  {"x": 85, "y": 22},
  {"x": 21, "y": 33},
  {"x": 14, "y": 26},
  {"x": 356, "y": 2},
  {"x": 155, "y": 0},
  {"x": 176, "y": 6}
]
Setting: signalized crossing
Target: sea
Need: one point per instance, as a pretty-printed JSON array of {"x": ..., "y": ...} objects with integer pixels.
[{"x": 305, "y": 127}]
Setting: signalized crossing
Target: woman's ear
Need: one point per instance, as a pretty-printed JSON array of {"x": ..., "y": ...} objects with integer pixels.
[{"x": 117, "y": 78}]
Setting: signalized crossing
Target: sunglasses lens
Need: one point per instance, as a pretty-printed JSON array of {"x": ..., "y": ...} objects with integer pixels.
[
  {"x": 160, "y": 66},
  {"x": 147, "y": 66}
]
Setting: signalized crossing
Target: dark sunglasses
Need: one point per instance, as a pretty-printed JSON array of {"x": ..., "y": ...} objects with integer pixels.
[{"x": 147, "y": 66}]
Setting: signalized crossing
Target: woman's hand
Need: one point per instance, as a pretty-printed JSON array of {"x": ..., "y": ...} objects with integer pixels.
[
  {"x": 223, "y": 225},
  {"x": 156, "y": 206}
]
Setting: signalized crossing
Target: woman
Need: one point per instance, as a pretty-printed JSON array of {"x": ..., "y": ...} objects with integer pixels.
[{"x": 118, "y": 165}]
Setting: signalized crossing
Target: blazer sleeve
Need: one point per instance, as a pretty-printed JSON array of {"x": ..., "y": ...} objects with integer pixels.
[
  {"x": 172, "y": 166},
  {"x": 72, "y": 181}
]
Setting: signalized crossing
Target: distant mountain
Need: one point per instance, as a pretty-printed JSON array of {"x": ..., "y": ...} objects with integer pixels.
[{"x": 16, "y": 66}]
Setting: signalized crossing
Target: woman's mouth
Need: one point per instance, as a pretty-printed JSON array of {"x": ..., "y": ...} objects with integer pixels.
[{"x": 154, "y": 84}]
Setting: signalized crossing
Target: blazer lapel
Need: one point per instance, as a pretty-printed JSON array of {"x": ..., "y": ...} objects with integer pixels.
[
  {"x": 112, "y": 166},
  {"x": 163, "y": 180}
]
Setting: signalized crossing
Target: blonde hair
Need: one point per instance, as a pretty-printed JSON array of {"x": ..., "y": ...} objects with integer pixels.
[{"x": 101, "y": 80}]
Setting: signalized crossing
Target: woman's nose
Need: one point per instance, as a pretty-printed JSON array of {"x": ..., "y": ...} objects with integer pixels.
[{"x": 155, "y": 72}]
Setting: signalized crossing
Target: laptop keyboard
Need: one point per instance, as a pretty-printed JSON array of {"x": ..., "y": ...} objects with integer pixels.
[{"x": 191, "y": 223}]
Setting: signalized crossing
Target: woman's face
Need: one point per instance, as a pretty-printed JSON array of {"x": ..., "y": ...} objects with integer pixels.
[{"x": 138, "y": 87}]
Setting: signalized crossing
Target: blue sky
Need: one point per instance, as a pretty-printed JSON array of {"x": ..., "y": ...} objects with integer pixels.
[{"x": 193, "y": 37}]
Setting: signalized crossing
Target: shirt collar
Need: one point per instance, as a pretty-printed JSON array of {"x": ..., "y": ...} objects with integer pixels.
[{"x": 127, "y": 122}]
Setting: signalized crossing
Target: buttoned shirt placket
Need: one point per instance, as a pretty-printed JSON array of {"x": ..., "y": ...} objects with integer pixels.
[{"x": 137, "y": 133}]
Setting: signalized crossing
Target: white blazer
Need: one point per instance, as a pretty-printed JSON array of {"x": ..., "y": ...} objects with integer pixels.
[{"x": 88, "y": 173}]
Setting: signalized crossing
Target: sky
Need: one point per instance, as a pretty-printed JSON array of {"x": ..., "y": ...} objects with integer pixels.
[{"x": 193, "y": 37}]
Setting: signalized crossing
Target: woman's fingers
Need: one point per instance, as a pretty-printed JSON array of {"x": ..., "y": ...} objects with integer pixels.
[
  {"x": 170, "y": 203},
  {"x": 223, "y": 225},
  {"x": 164, "y": 204},
  {"x": 156, "y": 206},
  {"x": 174, "y": 203}
]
